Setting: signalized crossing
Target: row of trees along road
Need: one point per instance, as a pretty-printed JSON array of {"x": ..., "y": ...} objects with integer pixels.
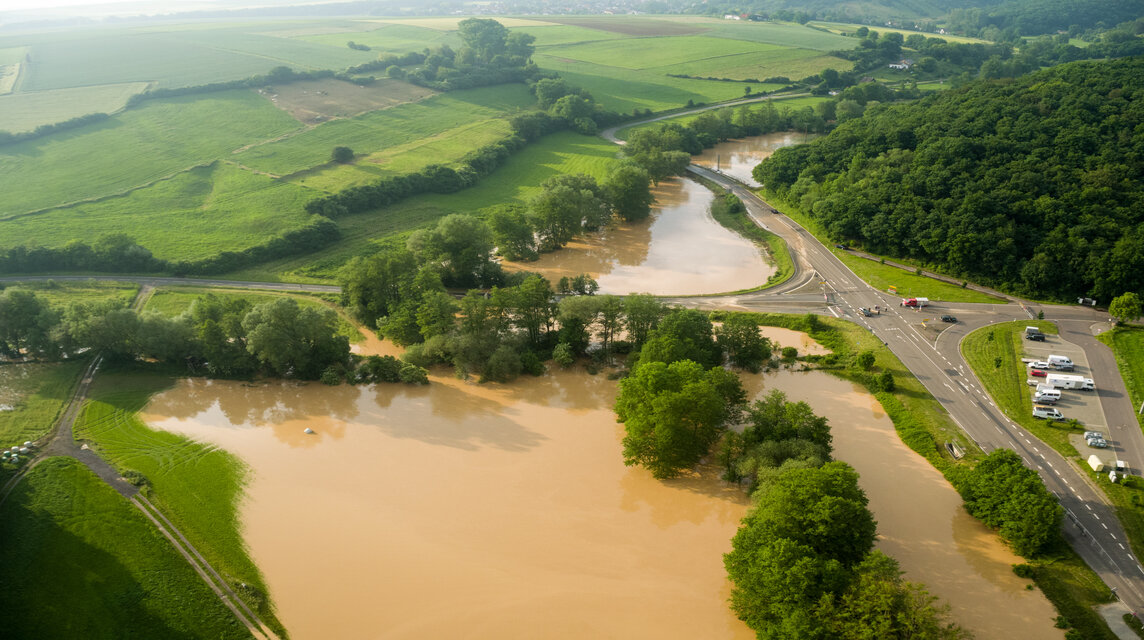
[{"x": 218, "y": 336}]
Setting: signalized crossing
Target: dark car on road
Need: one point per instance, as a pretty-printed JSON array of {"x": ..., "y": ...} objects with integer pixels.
[
  {"x": 1036, "y": 337},
  {"x": 841, "y": 246},
  {"x": 948, "y": 319}
]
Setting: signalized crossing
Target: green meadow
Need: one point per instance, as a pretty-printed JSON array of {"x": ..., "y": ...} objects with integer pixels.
[
  {"x": 195, "y": 485},
  {"x": 387, "y": 38},
  {"x": 378, "y": 130},
  {"x": 201, "y": 212},
  {"x": 25, "y": 111},
  {"x": 78, "y": 561},
  {"x": 516, "y": 181},
  {"x": 160, "y": 138},
  {"x": 32, "y": 396}
]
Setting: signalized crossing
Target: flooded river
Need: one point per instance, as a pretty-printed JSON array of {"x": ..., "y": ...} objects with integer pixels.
[
  {"x": 737, "y": 158},
  {"x": 679, "y": 250}
]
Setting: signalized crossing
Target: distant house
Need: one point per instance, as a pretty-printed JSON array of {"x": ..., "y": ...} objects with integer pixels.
[{"x": 904, "y": 64}]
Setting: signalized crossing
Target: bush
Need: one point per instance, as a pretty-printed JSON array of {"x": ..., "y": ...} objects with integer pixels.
[
  {"x": 564, "y": 355},
  {"x": 342, "y": 155},
  {"x": 413, "y": 374},
  {"x": 1023, "y": 570},
  {"x": 789, "y": 353},
  {"x": 333, "y": 375}
]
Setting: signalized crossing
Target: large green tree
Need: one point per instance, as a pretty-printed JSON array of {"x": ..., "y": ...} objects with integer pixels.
[
  {"x": 628, "y": 190},
  {"x": 1010, "y": 497},
  {"x": 683, "y": 334},
  {"x": 26, "y": 323},
  {"x": 1125, "y": 308},
  {"x": 293, "y": 341},
  {"x": 673, "y": 413},
  {"x": 740, "y": 339}
]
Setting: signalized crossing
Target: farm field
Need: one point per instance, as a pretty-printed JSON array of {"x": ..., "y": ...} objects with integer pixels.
[
  {"x": 516, "y": 181},
  {"x": 79, "y": 561},
  {"x": 387, "y": 37},
  {"x": 196, "y": 486},
  {"x": 560, "y": 34},
  {"x": 780, "y": 102},
  {"x": 450, "y": 24},
  {"x": 60, "y": 294},
  {"x": 379, "y": 130},
  {"x": 315, "y": 101},
  {"x": 446, "y": 147},
  {"x": 24, "y": 111},
  {"x": 160, "y": 138},
  {"x": 32, "y": 396},
  {"x": 848, "y": 28},
  {"x": 198, "y": 213},
  {"x": 171, "y": 57}
]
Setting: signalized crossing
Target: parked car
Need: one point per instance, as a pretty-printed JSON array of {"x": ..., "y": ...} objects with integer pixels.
[
  {"x": 1098, "y": 444},
  {"x": 1039, "y": 364},
  {"x": 841, "y": 246},
  {"x": 1089, "y": 435},
  {"x": 1036, "y": 337},
  {"x": 866, "y": 312},
  {"x": 1038, "y": 373},
  {"x": 948, "y": 319}
]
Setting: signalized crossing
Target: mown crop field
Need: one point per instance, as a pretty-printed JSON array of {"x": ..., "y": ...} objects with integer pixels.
[
  {"x": 850, "y": 28},
  {"x": 642, "y": 53},
  {"x": 315, "y": 101},
  {"x": 560, "y": 34},
  {"x": 195, "y": 485},
  {"x": 78, "y": 561},
  {"x": 516, "y": 181},
  {"x": 32, "y": 396},
  {"x": 24, "y": 111},
  {"x": 197, "y": 213},
  {"x": 387, "y": 38},
  {"x": 160, "y": 138},
  {"x": 380, "y": 130}
]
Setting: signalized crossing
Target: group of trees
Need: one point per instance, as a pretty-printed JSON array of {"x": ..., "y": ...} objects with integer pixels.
[
  {"x": 778, "y": 434},
  {"x": 678, "y": 399},
  {"x": 217, "y": 335},
  {"x": 1030, "y": 186},
  {"x": 1010, "y": 497},
  {"x": 803, "y": 565}
]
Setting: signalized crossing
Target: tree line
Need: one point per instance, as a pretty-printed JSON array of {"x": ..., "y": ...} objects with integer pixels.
[
  {"x": 1030, "y": 185},
  {"x": 217, "y": 336}
]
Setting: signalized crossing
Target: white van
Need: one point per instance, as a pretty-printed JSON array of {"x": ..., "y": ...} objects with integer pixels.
[
  {"x": 1047, "y": 397},
  {"x": 1060, "y": 360},
  {"x": 1049, "y": 413}
]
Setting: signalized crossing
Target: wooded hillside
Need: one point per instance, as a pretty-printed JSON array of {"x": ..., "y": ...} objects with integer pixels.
[{"x": 1033, "y": 185}]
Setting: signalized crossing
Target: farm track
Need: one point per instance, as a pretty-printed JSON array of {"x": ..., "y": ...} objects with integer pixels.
[{"x": 61, "y": 442}]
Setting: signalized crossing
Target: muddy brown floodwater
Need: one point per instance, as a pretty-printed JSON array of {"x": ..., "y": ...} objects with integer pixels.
[
  {"x": 737, "y": 158},
  {"x": 461, "y": 510},
  {"x": 679, "y": 250},
  {"x": 494, "y": 511},
  {"x": 921, "y": 521}
]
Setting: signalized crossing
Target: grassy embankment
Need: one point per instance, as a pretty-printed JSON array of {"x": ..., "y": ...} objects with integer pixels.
[
  {"x": 994, "y": 353},
  {"x": 1127, "y": 343},
  {"x": 79, "y": 561},
  {"x": 796, "y": 102},
  {"x": 196, "y": 486},
  {"x": 924, "y": 426},
  {"x": 174, "y": 301},
  {"x": 516, "y": 181},
  {"x": 882, "y": 276}
]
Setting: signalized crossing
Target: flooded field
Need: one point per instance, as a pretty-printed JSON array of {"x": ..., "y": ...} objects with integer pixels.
[
  {"x": 921, "y": 522},
  {"x": 679, "y": 250},
  {"x": 459, "y": 510},
  {"x": 737, "y": 158}
]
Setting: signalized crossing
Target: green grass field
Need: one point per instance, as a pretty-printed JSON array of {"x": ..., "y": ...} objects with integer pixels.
[
  {"x": 848, "y": 28},
  {"x": 643, "y": 53},
  {"x": 1128, "y": 345},
  {"x": 60, "y": 293},
  {"x": 175, "y": 300},
  {"x": 171, "y": 57},
  {"x": 388, "y": 38},
  {"x": 32, "y": 396},
  {"x": 562, "y": 34},
  {"x": 78, "y": 561},
  {"x": 195, "y": 214},
  {"x": 160, "y": 138},
  {"x": 197, "y": 486},
  {"x": 379, "y": 130},
  {"x": 883, "y": 276},
  {"x": 25, "y": 111},
  {"x": 516, "y": 181},
  {"x": 787, "y": 34}
]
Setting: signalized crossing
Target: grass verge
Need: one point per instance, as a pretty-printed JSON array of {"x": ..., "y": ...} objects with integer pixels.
[
  {"x": 197, "y": 486},
  {"x": 78, "y": 561},
  {"x": 882, "y": 276},
  {"x": 1127, "y": 344}
]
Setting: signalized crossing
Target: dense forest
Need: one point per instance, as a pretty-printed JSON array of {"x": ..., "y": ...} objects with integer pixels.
[{"x": 1032, "y": 185}]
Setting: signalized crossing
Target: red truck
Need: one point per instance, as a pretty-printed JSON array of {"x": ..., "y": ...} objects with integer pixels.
[{"x": 915, "y": 302}]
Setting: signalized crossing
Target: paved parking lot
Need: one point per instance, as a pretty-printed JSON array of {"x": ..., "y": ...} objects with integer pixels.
[{"x": 1083, "y": 405}]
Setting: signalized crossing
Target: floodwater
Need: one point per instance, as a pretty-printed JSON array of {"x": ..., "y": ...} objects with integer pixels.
[
  {"x": 464, "y": 510},
  {"x": 921, "y": 521},
  {"x": 491, "y": 511},
  {"x": 806, "y": 345},
  {"x": 737, "y": 158},
  {"x": 678, "y": 250}
]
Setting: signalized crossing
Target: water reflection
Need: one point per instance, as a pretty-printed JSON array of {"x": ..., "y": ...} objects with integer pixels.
[
  {"x": 679, "y": 250},
  {"x": 738, "y": 158}
]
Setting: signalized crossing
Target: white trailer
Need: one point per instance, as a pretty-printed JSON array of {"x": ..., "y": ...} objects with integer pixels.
[
  {"x": 1095, "y": 462},
  {"x": 1065, "y": 381}
]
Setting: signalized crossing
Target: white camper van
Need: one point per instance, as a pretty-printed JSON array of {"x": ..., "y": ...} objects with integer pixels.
[{"x": 1048, "y": 413}]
